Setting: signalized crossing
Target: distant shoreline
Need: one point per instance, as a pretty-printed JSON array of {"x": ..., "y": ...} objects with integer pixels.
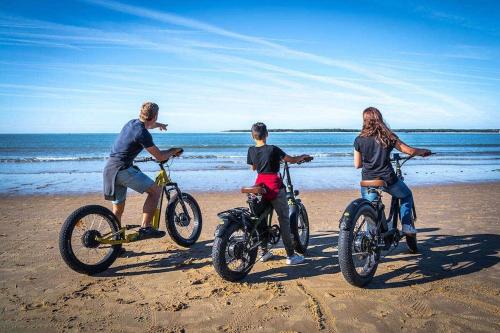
[
  {"x": 345, "y": 130},
  {"x": 284, "y": 130}
]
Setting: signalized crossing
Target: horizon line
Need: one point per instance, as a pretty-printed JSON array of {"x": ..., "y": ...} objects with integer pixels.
[{"x": 311, "y": 130}]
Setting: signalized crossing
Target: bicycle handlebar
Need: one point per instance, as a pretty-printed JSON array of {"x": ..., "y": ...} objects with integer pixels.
[
  {"x": 395, "y": 157},
  {"x": 306, "y": 160},
  {"x": 152, "y": 159},
  {"x": 145, "y": 159}
]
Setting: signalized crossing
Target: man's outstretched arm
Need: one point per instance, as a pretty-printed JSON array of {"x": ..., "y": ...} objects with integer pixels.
[{"x": 162, "y": 127}]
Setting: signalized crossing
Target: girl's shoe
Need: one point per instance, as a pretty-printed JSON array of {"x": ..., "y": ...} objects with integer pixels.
[
  {"x": 295, "y": 259},
  {"x": 409, "y": 230},
  {"x": 266, "y": 256}
]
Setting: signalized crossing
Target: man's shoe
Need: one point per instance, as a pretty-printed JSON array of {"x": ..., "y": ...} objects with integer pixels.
[
  {"x": 295, "y": 259},
  {"x": 150, "y": 232},
  {"x": 122, "y": 252},
  {"x": 266, "y": 256},
  {"x": 409, "y": 230}
]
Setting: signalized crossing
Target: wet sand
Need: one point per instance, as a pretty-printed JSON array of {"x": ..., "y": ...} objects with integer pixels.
[{"x": 451, "y": 285}]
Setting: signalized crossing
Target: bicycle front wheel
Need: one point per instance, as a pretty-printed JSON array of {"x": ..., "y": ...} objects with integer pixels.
[
  {"x": 184, "y": 226},
  {"x": 300, "y": 230},
  {"x": 411, "y": 241},
  {"x": 78, "y": 243}
]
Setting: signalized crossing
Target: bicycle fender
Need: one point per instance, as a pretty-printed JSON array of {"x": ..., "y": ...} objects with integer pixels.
[
  {"x": 224, "y": 224},
  {"x": 350, "y": 212}
]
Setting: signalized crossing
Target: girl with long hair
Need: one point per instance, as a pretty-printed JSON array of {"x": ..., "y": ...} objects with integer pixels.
[{"x": 372, "y": 153}]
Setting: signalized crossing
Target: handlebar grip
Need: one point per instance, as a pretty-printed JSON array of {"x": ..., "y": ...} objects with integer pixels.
[
  {"x": 305, "y": 160},
  {"x": 178, "y": 153},
  {"x": 145, "y": 159},
  {"x": 425, "y": 155}
]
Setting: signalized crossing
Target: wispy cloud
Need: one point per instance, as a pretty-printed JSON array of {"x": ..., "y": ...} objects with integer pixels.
[
  {"x": 468, "y": 52},
  {"x": 188, "y": 48},
  {"x": 284, "y": 50},
  {"x": 193, "y": 67},
  {"x": 455, "y": 19}
]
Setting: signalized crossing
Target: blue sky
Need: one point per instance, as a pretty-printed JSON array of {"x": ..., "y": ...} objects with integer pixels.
[{"x": 86, "y": 66}]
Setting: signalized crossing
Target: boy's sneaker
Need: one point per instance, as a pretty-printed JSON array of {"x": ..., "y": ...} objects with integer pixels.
[
  {"x": 150, "y": 232},
  {"x": 408, "y": 229},
  {"x": 266, "y": 255},
  {"x": 295, "y": 259}
]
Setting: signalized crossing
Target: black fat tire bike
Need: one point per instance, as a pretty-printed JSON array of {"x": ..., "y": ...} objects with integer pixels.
[
  {"x": 365, "y": 231},
  {"x": 242, "y": 230}
]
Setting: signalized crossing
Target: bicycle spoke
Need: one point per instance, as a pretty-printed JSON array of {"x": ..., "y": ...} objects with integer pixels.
[
  {"x": 188, "y": 230},
  {"x": 90, "y": 255},
  {"x": 93, "y": 221},
  {"x": 363, "y": 260},
  {"x": 233, "y": 263},
  {"x": 359, "y": 228},
  {"x": 302, "y": 230}
]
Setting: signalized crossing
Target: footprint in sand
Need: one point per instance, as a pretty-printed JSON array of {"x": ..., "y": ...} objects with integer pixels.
[
  {"x": 420, "y": 309},
  {"x": 173, "y": 307}
]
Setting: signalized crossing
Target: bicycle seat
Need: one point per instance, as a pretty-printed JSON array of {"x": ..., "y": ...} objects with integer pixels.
[
  {"x": 373, "y": 183},
  {"x": 254, "y": 189}
]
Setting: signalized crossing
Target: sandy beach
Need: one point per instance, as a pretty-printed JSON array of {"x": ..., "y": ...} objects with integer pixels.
[{"x": 452, "y": 285}]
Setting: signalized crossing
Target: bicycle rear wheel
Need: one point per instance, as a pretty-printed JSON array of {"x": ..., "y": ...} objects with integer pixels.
[
  {"x": 358, "y": 262},
  {"x": 232, "y": 256},
  {"x": 78, "y": 245}
]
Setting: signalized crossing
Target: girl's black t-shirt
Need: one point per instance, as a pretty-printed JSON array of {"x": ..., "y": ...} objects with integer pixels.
[
  {"x": 376, "y": 160},
  {"x": 266, "y": 158}
]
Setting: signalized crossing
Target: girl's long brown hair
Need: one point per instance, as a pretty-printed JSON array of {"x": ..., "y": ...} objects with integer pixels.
[{"x": 374, "y": 125}]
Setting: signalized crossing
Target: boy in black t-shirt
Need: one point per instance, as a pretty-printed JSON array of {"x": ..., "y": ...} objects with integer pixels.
[{"x": 265, "y": 159}]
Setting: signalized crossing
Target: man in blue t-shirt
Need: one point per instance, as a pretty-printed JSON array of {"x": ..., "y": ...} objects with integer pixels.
[{"x": 120, "y": 173}]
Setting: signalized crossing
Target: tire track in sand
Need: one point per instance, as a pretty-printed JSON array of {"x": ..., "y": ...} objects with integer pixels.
[
  {"x": 317, "y": 309},
  {"x": 148, "y": 310}
]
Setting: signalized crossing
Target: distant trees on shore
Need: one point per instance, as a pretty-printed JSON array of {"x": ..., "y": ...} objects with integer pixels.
[{"x": 404, "y": 130}]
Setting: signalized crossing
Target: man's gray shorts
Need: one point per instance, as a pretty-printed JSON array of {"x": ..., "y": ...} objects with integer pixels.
[{"x": 133, "y": 178}]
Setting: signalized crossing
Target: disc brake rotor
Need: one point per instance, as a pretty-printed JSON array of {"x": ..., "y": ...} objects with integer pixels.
[
  {"x": 362, "y": 243},
  {"x": 236, "y": 250},
  {"x": 274, "y": 235},
  {"x": 89, "y": 239},
  {"x": 182, "y": 219}
]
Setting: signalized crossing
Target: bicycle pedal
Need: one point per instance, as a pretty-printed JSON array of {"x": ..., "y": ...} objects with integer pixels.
[{"x": 132, "y": 226}]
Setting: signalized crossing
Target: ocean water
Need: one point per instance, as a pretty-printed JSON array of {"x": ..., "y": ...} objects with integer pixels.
[{"x": 73, "y": 163}]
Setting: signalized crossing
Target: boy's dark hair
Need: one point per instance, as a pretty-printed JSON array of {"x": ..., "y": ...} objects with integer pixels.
[{"x": 259, "y": 131}]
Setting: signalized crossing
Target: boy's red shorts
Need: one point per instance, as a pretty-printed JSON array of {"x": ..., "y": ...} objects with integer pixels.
[{"x": 272, "y": 182}]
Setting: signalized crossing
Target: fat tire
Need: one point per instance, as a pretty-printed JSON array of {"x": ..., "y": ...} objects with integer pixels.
[
  {"x": 219, "y": 256},
  {"x": 170, "y": 222},
  {"x": 65, "y": 240},
  {"x": 411, "y": 241},
  {"x": 298, "y": 246},
  {"x": 345, "y": 250}
]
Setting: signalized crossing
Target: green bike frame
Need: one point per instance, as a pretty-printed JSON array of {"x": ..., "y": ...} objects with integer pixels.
[{"x": 120, "y": 237}]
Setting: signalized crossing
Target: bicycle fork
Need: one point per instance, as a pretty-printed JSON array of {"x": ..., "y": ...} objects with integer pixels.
[{"x": 156, "y": 217}]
